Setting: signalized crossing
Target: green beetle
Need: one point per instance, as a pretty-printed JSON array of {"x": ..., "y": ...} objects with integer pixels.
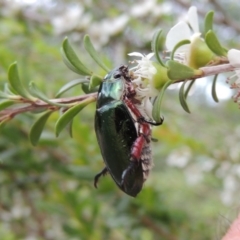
[{"x": 122, "y": 133}]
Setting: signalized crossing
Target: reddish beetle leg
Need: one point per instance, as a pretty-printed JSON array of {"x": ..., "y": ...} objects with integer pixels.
[{"x": 144, "y": 132}]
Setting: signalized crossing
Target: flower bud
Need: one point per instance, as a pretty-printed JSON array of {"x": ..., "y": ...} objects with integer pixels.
[
  {"x": 160, "y": 77},
  {"x": 199, "y": 53}
]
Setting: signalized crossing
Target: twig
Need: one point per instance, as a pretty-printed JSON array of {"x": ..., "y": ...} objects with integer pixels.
[
  {"x": 213, "y": 70},
  {"x": 9, "y": 113},
  {"x": 29, "y": 106},
  {"x": 208, "y": 71}
]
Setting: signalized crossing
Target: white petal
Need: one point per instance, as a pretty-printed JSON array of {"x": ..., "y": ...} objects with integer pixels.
[
  {"x": 195, "y": 36},
  {"x": 176, "y": 34},
  {"x": 193, "y": 19},
  {"x": 234, "y": 56},
  {"x": 150, "y": 55},
  {"x": 137, "y": 54},
  {"x": 148, "y": 107}
]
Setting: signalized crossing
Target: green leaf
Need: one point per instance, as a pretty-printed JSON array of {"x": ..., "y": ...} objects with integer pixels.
[
  {"x": 188, "y": 88},
  {"x": 93, "y": 53},
  {"x": 182, "y": 98},
  {"x": 70, "y": 85},
  {"x": 214, "y": 94},
  {"x": 178, "y": 45},
  {"x": 178, "y": 71},
  {"x": 37, "y": 93},
  {"x": 69, "y": 129},
  {"x": 9, "y": 90},
  {"x": 68, "y": 116},
  {"x": 15, "y": 82},
  {"x": 214, "y": 44},
  {"x": 3, "y": 95},
  {"x": 73, "y": 59},
  {"x": 156, "y": 112},
  {"x": 208, "y": 22},
  {"x": 155, "y": 47},
  {"x": 5, "y": 104},
  {"x": 68, "y": 64},
  {"x": 94, "y": 82},
  {"x": 69, "y": 125},
  {"x": 86, "y": 89},
  {"x": 37, "y": 128}
]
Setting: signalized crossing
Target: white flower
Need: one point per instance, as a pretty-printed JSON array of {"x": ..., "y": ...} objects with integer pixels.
[
  {"x": 184, "y": 30},
  {"x": 196, "y": 54},
  {"x": 143, "y": 76},
  {"x": 234, "y": 59},
  {"x": 234, "y": 80}
]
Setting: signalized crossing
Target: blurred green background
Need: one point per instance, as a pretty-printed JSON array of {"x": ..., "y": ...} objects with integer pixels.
[{"x": 46, "y": 192}]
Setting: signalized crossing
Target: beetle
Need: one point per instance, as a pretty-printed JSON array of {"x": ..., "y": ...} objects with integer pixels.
[{"x": 123, "y": 133}]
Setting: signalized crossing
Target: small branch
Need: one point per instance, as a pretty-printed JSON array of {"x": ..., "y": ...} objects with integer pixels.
[
  {"x": 67, "y": 100},
  {"x": 28, "y": 106},
  {"x": 212, "y": 70},
  {"x": 9, "y": 113}
]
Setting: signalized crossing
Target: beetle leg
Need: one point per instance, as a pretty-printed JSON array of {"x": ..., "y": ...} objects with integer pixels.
[
  {"x": 154, "y": 139},
  {"x": 136, "y": 153},
  {"x": 137, "y": 113},
  {"x": 137, "y": 147},
  {"x": 102, "y": 173},
  {"x": 153, "y": 123}
]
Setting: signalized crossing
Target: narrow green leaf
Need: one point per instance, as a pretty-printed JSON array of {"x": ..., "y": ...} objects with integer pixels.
[
  {"x": 15, "y": 82},
  {"x": 15, "y": 98},
  {"x": 37, "y": 93},
  {"x": 69, "y": 128},
  {"x": 9, "y": 90},
  {"x": 208, "y": 22},
  {"x": 68, "y": 64},
  {"x": 155, "y": 46},
  {"x": 5, "y": 104},
  {"x": 178, "y": 45},
  {"x": 70, "y": 85},
  {"x": 86, "y": 89},
  {"x": 94, "y": 82},
  {"x": 214, "y": 94},
  {"x": 182, "y": 98},
  {"x": 3, "y": 95},
  {"x": 73, "y": 59},
  {"x": 156, "y": 112},
  {"x": 179, "y": 71},
  {"x": 37, "y": 128},
  {"x": 68, "y": 116},
  {"x": 214, "y": 44},
  {"x": 189, "y": 88},
  {"x": 93, "y": 53},
  {"x": 69, "y": 125}
]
